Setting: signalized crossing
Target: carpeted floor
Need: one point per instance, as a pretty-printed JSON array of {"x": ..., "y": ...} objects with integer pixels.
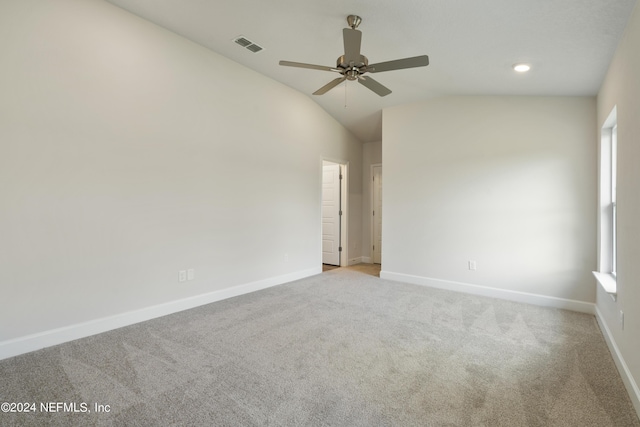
[{"x": 343, "y": 348}]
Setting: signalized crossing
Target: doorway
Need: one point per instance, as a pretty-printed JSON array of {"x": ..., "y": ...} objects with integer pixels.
[
  {"x": 376, "y": 211},
  {"x": 334, "y": 176}
]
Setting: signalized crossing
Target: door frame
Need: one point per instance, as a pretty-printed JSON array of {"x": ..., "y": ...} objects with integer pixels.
[
  {"x": 373, "y": 165},
  {"x": 344, "y": 206}
]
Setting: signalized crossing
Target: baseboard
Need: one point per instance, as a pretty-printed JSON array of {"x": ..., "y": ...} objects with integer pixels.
[
  {"x": 366, "y": 260},
  {"x": 627, "y": 378},
  {"x": 535, "y": 299},
  {"x": 26, "y": 344},
  {"x": 354, "y": 261}
]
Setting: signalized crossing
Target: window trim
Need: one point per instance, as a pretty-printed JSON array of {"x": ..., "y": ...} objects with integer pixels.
[
  {"x": 606, "y": 275},
  {"x": 614, "y": 198}
]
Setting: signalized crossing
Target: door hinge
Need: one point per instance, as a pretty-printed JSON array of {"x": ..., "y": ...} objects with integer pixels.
[
  {"x": 340, "y": 249},
  {"x": 374, "y": 213},
  {"x": 374, "y": 247},
  {"x": 340, "y": 213},
  {"x": 340, "y": 176}
]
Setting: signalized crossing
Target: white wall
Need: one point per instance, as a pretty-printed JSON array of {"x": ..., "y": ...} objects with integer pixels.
[
  {"x": 128, "y": 153},
  {"x": 621, "y": 88},
  {"x": 508, "y": 182},
  {"x": 371, "y": 155}
]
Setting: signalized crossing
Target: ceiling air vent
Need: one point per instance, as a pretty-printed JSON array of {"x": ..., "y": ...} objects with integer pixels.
[
  {"x": 254, "y": 48},
  {"x": 242, "y": 41},
  {"x": 248, "y": 44}
]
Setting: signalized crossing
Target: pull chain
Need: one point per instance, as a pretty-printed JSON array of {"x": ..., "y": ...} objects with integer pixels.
[{"x": 345, "y": 94}]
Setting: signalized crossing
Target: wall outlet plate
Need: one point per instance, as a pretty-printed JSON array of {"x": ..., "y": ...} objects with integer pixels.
[
  {"x": 182, "y": 275},
  {"x": 191, "y": 274}
]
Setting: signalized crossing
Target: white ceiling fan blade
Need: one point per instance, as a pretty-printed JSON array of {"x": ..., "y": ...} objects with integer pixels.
[
  {"x": 309, "y": 66},
  {"x": 333, "y": 83},
  {"x": 352, "y": 42},
  {"x": 399, "y": 64},
  {"x": 374, "y": 86}
]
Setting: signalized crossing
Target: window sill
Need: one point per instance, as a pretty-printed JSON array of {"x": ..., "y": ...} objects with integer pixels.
[{"x": 608, "y": 283}]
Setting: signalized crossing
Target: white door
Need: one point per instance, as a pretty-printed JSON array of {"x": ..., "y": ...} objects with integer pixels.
[
  {"x": 331, "y": 214},
  {"x": 377, "y": 214}
]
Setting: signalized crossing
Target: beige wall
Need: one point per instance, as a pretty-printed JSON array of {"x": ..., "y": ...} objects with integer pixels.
[
  {"x": 621, "y": 88},
  {"x": 508, "y": 182},
  {"x": 129, "y": 153}
]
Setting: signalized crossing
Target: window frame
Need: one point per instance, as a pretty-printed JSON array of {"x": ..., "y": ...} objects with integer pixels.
[
  {"x": 608, "y": 209},
  {"x": 614, "y": 199}
]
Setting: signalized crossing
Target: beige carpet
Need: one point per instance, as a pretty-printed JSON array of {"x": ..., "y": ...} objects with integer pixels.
[{"x": 343, "y": 348}]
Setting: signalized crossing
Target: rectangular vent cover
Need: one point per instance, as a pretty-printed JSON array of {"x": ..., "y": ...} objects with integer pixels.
[
  {"x": 248, "y": 44},
  {"x": 243, "y": 42},
  {"x": 254, "y": 48}
]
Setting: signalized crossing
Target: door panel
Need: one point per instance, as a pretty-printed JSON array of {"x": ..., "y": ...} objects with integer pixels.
[{"x": 331, "y": 214}]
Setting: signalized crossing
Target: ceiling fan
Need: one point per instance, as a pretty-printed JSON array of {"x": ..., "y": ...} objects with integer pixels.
[{"x": 352, "y": 65}]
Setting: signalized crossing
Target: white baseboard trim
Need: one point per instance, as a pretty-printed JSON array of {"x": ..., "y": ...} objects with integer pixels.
[
  {"x": 354, "y": 261},
  {"x": 535, "y": 299},
  {"x": 26, "y": 344},
  {"x": 366, "y": 260},
  {"x": 627, "y": 378}
]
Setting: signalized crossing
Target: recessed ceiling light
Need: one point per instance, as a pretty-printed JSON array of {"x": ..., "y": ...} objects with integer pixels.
[{"x": 521, "y": 68}]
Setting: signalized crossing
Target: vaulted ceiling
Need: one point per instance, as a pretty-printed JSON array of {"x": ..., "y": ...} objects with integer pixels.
[{"x": 471, "y": 44}]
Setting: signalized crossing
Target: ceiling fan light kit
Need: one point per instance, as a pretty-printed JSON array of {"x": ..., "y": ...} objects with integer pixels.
[{"x": 353, "y": 65}]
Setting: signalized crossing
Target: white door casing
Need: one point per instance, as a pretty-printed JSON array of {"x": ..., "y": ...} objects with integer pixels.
[
  {"x": 331, "y": 214},
  {"x": 376, "y": 220}
]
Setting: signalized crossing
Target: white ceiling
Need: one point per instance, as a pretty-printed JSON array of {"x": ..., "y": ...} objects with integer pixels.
[{"x": 471, "y": 44}]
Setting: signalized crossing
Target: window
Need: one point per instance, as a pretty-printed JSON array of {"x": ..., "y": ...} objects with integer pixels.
[
  {"x": 607, "y": 215},
  {"x": 614, "y": 216}
]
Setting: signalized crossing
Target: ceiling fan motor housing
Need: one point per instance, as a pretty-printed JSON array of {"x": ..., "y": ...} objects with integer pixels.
[{"x": 352, "y": 69}]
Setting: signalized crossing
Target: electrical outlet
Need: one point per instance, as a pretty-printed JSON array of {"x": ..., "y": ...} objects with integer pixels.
[
  {"x": 621, "y": 320},
  {"x": 182, "y": 275},
  {"x": 472, "y": 265},
  {"x": 191, "y": 274}
]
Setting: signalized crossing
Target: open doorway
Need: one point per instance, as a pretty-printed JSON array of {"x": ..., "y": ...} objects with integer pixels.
[
  {"x": 376, "y": 211},
  {"x": 334, "y": 214}
]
